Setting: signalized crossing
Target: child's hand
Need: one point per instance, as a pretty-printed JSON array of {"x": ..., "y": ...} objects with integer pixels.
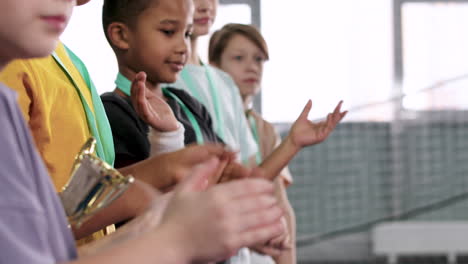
[
  {"x": 277, "y": 245},
  {"x": 212, "y": 225},
  {"x": 150, "y": 107},
  {"x": 235, "y": 171},
  {"x": 166, "y": 170},
  {"x": 305, "y": 132}
]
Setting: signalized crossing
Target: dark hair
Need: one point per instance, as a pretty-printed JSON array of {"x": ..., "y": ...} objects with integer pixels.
[
  {"x": 220, "y": 39},
  {"x": 125, "y": 11}
]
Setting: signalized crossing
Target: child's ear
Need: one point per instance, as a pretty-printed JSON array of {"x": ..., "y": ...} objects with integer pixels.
[{"x": 118, "y": 35}]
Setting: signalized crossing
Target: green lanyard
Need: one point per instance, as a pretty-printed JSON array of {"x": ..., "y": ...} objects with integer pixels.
[
  {"x": 97, "y": 121},
  {"x": 193, "y": 87},
  {"x": 125, "y": 86},
  {"x": 253, "y": 127}
]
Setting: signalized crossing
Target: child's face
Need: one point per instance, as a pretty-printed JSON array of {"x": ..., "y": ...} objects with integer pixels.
[
  {"x": 205, "y": 14},
  {"x": 31, "y": 28},
  {"x": 243, "y": 60},
  {"x": 160, "y": 41}
]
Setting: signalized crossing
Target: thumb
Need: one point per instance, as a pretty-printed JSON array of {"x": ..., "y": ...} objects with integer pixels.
[
  {"x": 306, "y": 110},
  {"x": 198, "y": 180}
]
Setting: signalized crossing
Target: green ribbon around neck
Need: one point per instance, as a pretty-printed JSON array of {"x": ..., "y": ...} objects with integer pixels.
[
  {"x": 253, "y": 127},
  {"x": 193, "y": 87},
  {"x": 97, "y": 120}
]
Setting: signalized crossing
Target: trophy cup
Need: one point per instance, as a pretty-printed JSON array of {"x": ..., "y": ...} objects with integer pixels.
[{"x": 93, "y": 185}]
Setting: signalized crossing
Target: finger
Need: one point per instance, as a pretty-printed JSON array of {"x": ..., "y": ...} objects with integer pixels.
[
  {"x": 260, "y": 235},
  {"x": 200, "y": 153},
  {"x": 246, "y": 188},
  {"x": 280, "y": 242},
  {"x": 219, "y": 173},
  {"x": 244, "y": 206},
  {"x": 260, "y": 218},
  {"x": 228, "y": 155},
  {"x": 342, "y": 115},
  {"x": 338, "y": 107},
  {"x": 198, "y": 180},
  {"x": 270, "y": 251},
  {"x": 238, "y": 171},
  {"x": 305, "y": 112}
]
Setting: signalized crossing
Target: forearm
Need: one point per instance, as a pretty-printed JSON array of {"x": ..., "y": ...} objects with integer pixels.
[
  {"x": 279, "y": 158},
  {"x": 151, "y": 171},
  {"x": 287, "y": 256},
  {"x": 132, "y": 203},
  {"x": 152, "y": 247}
]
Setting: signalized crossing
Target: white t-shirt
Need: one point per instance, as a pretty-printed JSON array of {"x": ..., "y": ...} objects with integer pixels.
[{"x": 229, "y": 123}]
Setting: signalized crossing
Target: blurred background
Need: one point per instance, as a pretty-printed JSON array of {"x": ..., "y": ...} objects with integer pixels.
[{"x": 391, "y": 183}]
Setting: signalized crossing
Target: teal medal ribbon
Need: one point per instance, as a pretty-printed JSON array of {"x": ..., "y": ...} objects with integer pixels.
[
  {"x": 125, "y": 85},
  {"x": 253, "y": 127},
  {"x": 220, "y": 129},
  {"x": 97, "y": 121}
]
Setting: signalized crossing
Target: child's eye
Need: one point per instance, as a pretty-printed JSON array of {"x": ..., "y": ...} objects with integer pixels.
[
  {"x": 259, "y": 59},
  {"x": 188, "y": 34},
  {"x": 238, "y": 58},
  {"x": 168, "y": 32}
]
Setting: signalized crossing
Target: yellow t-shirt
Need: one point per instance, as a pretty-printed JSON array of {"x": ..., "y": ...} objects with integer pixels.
[
  {"x": 53, "y": 110},
  {"x": 52, "y": 107}
]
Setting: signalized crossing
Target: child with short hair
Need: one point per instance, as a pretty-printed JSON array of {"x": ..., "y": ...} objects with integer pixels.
[
  {"x": 33, "y": 226},
  {"x": 240, "y": 50},
  {"x": 152, "y": 37}
]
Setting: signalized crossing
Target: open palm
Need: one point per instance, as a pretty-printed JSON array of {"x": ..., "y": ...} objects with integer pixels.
[
  {"x": 305, "y": 132},
  {"x": 150, "y": 107}
]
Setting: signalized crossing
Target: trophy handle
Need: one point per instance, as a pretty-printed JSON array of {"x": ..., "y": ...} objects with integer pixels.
[{"x": 87, "y": 149}]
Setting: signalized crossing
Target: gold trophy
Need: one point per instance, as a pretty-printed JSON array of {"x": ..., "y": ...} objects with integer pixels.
[{"x": 93, "y": 185}]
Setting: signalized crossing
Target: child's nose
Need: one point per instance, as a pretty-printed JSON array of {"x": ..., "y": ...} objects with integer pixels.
[
  {"x": 253, "y": 66},
  {"x": 182, "y": 47},
  {"x": 203, "y": 5}
]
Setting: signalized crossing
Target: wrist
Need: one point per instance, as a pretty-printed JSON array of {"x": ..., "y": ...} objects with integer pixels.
[
  {"x": 176, "y": 246},
  {"x": 291, "y": 145}
]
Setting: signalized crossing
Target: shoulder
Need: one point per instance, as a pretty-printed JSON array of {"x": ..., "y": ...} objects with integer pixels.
[
  {"x": 113, "y": 99},
  {"x": 117, "y": 106},
  {"x": 24, "y": 70},
  {"x": 184, "y": 96},
  {"x": 222, "y": 75},
  {"x": 190, "y": 101},
  {"x": 16, "y": 147},
  {"x": 261, "y": 122},
  {"x": 7, "y": 96}
]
